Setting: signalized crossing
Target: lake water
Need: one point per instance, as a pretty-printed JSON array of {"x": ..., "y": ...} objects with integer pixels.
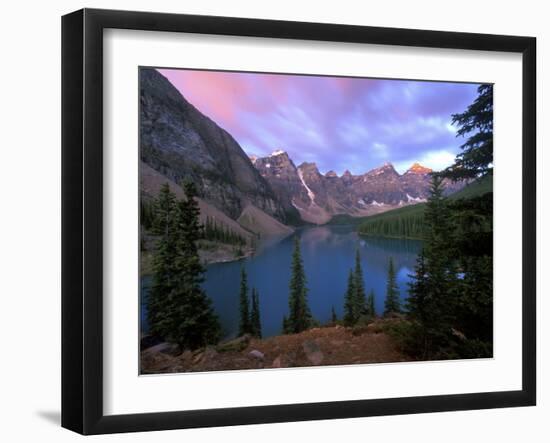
[{"x": 328, "y": 253}]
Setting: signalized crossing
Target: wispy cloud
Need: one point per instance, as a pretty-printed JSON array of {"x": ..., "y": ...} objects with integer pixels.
[
  {"x": 340, "y": 123},
  {"x": 436, "y": 160}
]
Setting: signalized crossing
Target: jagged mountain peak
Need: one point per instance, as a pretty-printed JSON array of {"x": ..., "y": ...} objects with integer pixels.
[
  {"x": 384, "y": 169},
  {"x": 278, "y": 152},
  {"x": 308, "y": 166},
  {"x": 417, "y": 168},
  {"x": 331, "y": 174},
  {"x": 347, "y": 173}
]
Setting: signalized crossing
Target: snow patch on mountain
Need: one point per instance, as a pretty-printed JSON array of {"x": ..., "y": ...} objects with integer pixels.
[
  {"x": 415, "y": 199},
  {"x": 310, "y": 193},
  {"x": 296, "y": 206}
]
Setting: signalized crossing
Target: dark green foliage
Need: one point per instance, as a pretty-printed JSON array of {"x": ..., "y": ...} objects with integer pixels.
[
  {"x": 286, "y": 325},
  {"x": 476, "y": 123},
  {"x": 477, "y": 188},
  {"x": 359, "y": 285},
  {"x": 450, "y": 303},
  {"x": 255, "y": 321},
  {"x": 333, "y": 316},
  {"x": 195, "y": 322},
  {"x": 408, "y": 222},
  {"x": 164, "y": 264},
  {"x": 146, "y": 213},
  {"x": 215, "y": 231},
  {"x": 165, "y": 210},
  {"x": 179, "y": 310},
  {"x": 432, "y": 293},
  {"x": 370, "y": 310},
  {"x": 450, "y": 297},
  {"x": 473, "y": 225},
  {"x": 245, "y": 326},
  {"x": 299, "y": 318},
  {"x": 249, "y": 309},
  {"x": 350, "y": 313},
  {"x": 417, "y": 302},
  {"x": 355, "y": 303},
  {"x": 392, "y": 304}
]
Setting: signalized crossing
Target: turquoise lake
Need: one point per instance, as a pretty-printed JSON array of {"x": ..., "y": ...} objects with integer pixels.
[{"x": 328, "y": 253}]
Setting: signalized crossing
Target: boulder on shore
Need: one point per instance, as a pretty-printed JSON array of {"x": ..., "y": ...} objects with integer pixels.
[
  {"x": 313, "y": 352},
  {"x": 256, "y": 354},
  {"x": 236, "y": 345}
]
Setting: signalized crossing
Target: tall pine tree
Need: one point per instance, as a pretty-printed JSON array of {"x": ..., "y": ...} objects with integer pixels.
[
  {"x": 299, "y": 318},
  {"x": 476, "y": 123},
  {"x": 180, "y": 311},
  {"x": 244, "y": 306},
  {"x": 255, "y": 321},
  {"x": 392, "y": 304},
  {"x": 350, "y": 307},
  {"x": 159, "y": 308},
  {"x": 359, "y": 286},
  {"x": 450, "y": 296},
  {"x": 370, "y": 309},
  {"x": 417, "y": 302},
  {"x": 333, "y": 316},
  {"x": 441, "y": 261},
  {"x": 195, "y": 323},
  {"x": 432, "y": 298}
]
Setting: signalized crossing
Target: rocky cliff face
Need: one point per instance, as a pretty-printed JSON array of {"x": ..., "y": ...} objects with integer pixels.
[
  {"x": 282, "y": 175},
  {"x": 182, "y": 144}
]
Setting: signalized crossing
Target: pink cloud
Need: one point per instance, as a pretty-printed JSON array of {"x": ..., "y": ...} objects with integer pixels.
[{"x": 329, "y": 119}]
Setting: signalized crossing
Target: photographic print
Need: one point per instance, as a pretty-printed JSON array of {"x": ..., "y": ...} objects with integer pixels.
[{"x": 304, "y": 220}]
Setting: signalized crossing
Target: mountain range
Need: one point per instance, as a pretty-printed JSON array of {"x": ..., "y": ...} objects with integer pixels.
[
  {"x": 318, "y": 197},
  {"x": 180, "y": 143}
]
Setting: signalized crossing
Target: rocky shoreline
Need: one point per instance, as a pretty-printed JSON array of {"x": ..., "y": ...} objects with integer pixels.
[
  {"x": 209, "y": 254},
  {"x": 322, "y": 346}
]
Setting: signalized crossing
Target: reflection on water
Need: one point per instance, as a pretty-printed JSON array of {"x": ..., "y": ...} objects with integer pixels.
[{"x": 328, "y": 253}]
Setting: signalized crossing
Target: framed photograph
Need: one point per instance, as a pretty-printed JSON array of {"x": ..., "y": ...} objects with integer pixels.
[{"x": 269, "y": 221}]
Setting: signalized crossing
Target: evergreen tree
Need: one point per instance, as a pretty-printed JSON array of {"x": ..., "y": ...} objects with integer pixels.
[
  {"x": 164, "y": 260},
  {"x": 392, "y": 303},
  {"x": 451, "y": 293},
  {"x": 350, "y": 313},
  {"x": 146, "y": 213},
  {"x": 440, "y": 262},
  {"x": 178, "y": 308},
  {"x": 476, "y": 123},
  {"x": 255, "y": 321},
  {"x": 194, "y": 322},
  {"x": 333, "y": 316},
  {"x": 221, "y": 233},
  {"x": 432, "y": 298},
  {"x": 244, "y": 306},
  {"x": 473, "y": 225},
  {"x": 418, "y": 290},
  {"x": 286, "y": 326},
  {"x": 300, "y": 317},
  {"x": 359, "y": 287},
  {"x": 370, "y": 309}
]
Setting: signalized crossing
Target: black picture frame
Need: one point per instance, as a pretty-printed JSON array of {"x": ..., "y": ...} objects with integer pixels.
[{"x": 82, "y": 218}]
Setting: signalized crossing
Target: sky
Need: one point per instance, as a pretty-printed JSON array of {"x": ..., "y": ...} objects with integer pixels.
[{"x": 339, "y": 123}]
